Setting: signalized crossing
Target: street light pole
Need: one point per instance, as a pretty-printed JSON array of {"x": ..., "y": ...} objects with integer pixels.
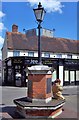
[
  {"x": 39, "y": 14},
  {"x": 39, "y": 43}
]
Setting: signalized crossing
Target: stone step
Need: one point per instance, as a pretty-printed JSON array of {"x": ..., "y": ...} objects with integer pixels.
[{"x": 5, "y": 115}]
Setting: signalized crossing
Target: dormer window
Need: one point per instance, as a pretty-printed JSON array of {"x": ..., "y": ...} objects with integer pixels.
[
  {"x": 59, "y": 55},
  {"x": 31, "y": 54},
  {"x": 69, "y": 56},
  {"x": 16, "y": 53},
  {"x": 47, "y": 55}
]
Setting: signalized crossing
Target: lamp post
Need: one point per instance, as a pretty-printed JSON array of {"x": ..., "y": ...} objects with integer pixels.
[{"x": 39, "y": 14}]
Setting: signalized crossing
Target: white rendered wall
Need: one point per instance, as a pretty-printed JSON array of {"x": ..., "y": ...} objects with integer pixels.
[
  {"x": 35, "y": 54},
  {"x": 74, "y": 56},
  {"x": 64, "y": 55},
  {"x": 54, "y": 76},
  {"x": 10, "y": 54},
  {"x": 61, "y": 74},
  {"x": 52, "y": 55},
  {"x": 42, "y": 54},
  {"x": 23, "y": 53},
  {"x": 77, "y": 56}
]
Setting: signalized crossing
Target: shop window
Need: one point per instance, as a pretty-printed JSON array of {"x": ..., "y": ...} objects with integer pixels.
[
  {"x": 47, "y": 55},
  {"x": 9, "y": 75},
  {"x": 66, "y": 77},
  {"x": 17, "y": 67},
  {"x": 59, "y": 55},
  {"x": 31, "y": 54},
  {"x": 16, "y": 53},
  {"x": 54, "y": 76},
  {"x": 77, "y": 75}
]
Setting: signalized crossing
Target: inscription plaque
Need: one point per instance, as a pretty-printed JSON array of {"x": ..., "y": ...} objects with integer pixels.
[
  {"x": 49, "y": 83},
  {"x": 29, "y": 86}
]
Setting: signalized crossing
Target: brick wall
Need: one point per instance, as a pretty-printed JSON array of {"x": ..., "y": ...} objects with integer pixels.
[{"x": 37, "y": 89}]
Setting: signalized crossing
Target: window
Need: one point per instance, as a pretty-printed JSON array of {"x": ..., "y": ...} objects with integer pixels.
[
  {"x": 59, "y": 55},
  {"x": 16, "y": 53},
  {"x": 31, "y": 54},
  {"x": 47, "y": 55},
  {"x": 69, "y": 56}
]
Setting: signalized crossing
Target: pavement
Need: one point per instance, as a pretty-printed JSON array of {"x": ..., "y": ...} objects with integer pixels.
[
  {"x": 70, "y": 109},
  {"x": 8, "y": 94}
]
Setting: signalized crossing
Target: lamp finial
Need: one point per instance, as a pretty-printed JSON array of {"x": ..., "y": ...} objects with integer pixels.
[{"x": 39, "y": 6}]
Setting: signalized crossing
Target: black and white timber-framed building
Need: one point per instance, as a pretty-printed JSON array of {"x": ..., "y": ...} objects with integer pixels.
[{"x": 21, "y": 50}]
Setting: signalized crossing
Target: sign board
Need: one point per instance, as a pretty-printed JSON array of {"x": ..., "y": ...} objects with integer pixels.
[
  {"x": 49, "y": 83},
  {"x": 17, "y": 61},
  {"x": 29, "y": 86}
]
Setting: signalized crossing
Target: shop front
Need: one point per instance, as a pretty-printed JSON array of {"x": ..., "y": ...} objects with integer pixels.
[
  {"x": 15, "y": 72},
  {"x": 71, "y": 72}
]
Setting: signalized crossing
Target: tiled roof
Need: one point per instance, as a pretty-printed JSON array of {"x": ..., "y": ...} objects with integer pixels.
[{"x": 19, "y": 41}]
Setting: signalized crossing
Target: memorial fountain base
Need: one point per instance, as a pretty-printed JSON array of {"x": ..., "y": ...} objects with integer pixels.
[
  {"x": 31, "y": 109},
  {"x": 39, "y": 102}
]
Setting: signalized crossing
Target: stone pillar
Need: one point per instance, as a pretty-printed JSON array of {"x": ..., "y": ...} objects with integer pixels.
[{"x": 40, "y": 83}]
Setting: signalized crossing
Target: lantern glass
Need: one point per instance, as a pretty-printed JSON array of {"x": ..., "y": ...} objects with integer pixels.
[{"x": 39, "y": 14}]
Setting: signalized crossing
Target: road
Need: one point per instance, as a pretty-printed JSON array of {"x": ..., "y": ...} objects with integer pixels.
[{"x": 10, "y": 93}]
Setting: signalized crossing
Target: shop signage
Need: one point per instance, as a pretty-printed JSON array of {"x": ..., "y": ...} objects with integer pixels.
[
  {"x": 31, "y": 61},
  {"x": 17, "y": 61},
  {"x": 72, "y": 62},
  {"x": 49, "y": 62}
]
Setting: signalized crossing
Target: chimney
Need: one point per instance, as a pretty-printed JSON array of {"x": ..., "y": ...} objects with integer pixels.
[{"x": 14, "y": 28}]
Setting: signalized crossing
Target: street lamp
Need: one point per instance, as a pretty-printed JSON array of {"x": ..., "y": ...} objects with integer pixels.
[{"x": 39, "y": 14}]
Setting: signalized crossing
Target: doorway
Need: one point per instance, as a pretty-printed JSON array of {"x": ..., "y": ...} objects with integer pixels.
[
  {"x": 18, "y": 75},
  {"x": 18, "y": 78}
]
